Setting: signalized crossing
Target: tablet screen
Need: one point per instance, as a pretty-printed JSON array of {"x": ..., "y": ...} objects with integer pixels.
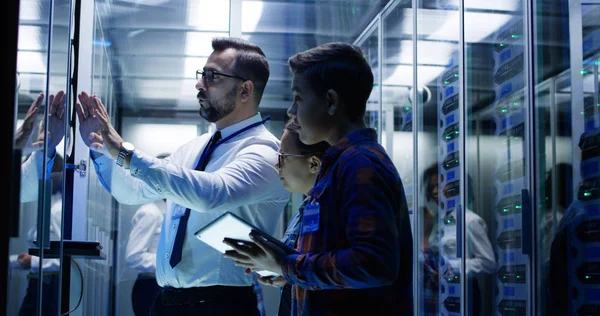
[{"x": 230, "y": 225}]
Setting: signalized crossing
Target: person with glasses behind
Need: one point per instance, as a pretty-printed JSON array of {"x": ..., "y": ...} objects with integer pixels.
[
  {"x": 230, "y": 170},
  {"x": 298, "y": 166}
]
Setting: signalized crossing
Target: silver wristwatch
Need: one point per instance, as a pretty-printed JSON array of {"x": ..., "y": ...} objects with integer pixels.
[{"x": 125, "y": 150}]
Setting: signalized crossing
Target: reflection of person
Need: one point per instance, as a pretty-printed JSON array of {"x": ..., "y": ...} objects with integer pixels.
[
  {"x": 355, "y": 245},
  {"x": 298, "y": 167},
  {"x": 31, "y": 174},
  {"x": 480, "y": 258},
  {"x": 32, "y": 167},
  {"x": 50, "y": 268},
  {"x": 200, "y": 181}
]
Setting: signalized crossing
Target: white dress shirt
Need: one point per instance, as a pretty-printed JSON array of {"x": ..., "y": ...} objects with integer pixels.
[
  {"x": 480, "y": 258},
  {"x": 140, "y": 253},
  {"x": 240, "y": 177}
]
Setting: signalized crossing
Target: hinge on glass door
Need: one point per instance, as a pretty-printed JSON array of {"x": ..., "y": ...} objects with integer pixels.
[{"x": 81, "y": 167}]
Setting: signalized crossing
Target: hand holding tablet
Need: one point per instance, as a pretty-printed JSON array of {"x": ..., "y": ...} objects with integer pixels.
[{"x": 230, "y": 235}]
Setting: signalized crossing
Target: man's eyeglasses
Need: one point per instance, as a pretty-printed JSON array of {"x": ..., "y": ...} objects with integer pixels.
[
  {"x": 210, "y": 75},
  {"x": 281, "y": 157}
]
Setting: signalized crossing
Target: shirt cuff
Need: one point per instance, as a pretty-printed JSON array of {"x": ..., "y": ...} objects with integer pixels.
[{"x": 288, "y": 268}]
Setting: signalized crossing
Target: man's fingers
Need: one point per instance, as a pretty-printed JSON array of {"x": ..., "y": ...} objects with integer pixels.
[
  {"x": 96, "y": 138},
  {"x": 79, "y": 111}
]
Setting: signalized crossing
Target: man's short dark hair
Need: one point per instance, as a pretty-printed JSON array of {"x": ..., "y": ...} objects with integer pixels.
[
  {"x": 338, "y": 66},
  {"x": 250, "y": 62},
  {"x": 317, "y": 149}
]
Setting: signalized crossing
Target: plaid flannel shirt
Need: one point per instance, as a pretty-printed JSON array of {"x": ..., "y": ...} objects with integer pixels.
[{"x": 359, "y": 259}]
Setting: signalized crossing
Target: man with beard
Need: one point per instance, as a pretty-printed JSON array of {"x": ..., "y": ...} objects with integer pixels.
[{"x": 230, "y": 170}]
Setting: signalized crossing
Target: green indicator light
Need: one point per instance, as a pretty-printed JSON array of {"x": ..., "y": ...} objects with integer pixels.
[
  {"x": 407, "y": 108},
  {"x": 587, "y": 194},
  {"x": 505, "y": 210},
  {"x": 446, "y": 82},
  {"x": 504, "y": 110},
  {"x": 502, "y": 44},
  {"x": 456, "y": 75},
  {"x": 456, "y": 132},
  {"x": 518, "y": 206}
]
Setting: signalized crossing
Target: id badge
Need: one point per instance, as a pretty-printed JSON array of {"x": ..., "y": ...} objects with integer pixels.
[
  {"x": 310, "y": 217},
  {"x": 178, "y": 213}
]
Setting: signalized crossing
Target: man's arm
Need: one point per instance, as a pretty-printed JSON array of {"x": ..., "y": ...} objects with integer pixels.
[
  {"x": 374, "y": 254},
  {"x": 249, "y": 178}
]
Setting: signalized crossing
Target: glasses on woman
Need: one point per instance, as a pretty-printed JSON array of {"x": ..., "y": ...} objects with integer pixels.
[{"x": 281, "y": 157}]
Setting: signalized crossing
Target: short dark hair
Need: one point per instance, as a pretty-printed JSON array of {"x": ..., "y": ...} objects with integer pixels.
[
  {"x": 317, "y": 149},
  {"x": 250, "y": 62},
  {"x": 338, "y": 66}
]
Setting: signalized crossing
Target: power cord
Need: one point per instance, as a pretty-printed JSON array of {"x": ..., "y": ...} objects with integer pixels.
[{"x": 81, "y": 290}]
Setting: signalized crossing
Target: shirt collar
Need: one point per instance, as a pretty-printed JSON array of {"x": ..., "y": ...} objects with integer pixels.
[
  {"x": 358, "y": 136},
  {"x": 225, "y": 132}
]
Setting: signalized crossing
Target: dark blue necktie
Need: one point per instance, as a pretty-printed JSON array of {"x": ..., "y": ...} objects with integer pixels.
[{"x": 178, "y": 244}]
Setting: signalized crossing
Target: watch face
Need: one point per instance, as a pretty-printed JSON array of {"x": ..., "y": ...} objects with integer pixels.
[{"x": 127, "y": 146}]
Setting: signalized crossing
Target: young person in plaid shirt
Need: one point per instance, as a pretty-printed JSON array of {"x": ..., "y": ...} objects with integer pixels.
[{"x": 354, "y": 252}]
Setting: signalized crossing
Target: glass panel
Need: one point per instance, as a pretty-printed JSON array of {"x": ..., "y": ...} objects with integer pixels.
[
  {"x": 370, "y": 49},
  {"x": 439, "y": 146},
  {"x": 34, "y": 282},
  {"x": 397, "y": 98},
  {"x": 568, "y": 102},
  {"x": 498, "y": 271}
]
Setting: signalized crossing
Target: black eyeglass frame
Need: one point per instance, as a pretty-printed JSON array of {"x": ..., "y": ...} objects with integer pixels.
[{"x": 204, "y": 75}]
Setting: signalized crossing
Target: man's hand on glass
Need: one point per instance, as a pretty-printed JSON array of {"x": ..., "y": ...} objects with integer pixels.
[{"x": 95, "y": 123}]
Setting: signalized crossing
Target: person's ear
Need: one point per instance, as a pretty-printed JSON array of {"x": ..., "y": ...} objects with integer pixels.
[
  {"x": 246, "y": 90},
  {"x": 314, "y": 164},
  {"x": 333, "y": 101}
]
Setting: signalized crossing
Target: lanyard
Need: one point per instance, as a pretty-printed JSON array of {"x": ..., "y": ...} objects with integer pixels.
[{"x": 207, "y": 153}]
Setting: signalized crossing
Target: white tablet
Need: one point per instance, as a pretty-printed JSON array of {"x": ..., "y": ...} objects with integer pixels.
[{"x": 230, "y": 225}]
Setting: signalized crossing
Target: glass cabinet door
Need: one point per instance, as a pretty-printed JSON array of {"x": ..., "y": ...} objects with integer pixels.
[
  {"x": 35, "y": 251},
  {"x": 497, "y": 213},
  {"x": 369, "y": 44},
  {"x": 568, "y": 243},
  {"x": 439, "y": 148}
]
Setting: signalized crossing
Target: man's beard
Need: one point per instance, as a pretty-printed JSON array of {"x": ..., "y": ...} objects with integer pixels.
[{"x": 216, "y": 110}]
